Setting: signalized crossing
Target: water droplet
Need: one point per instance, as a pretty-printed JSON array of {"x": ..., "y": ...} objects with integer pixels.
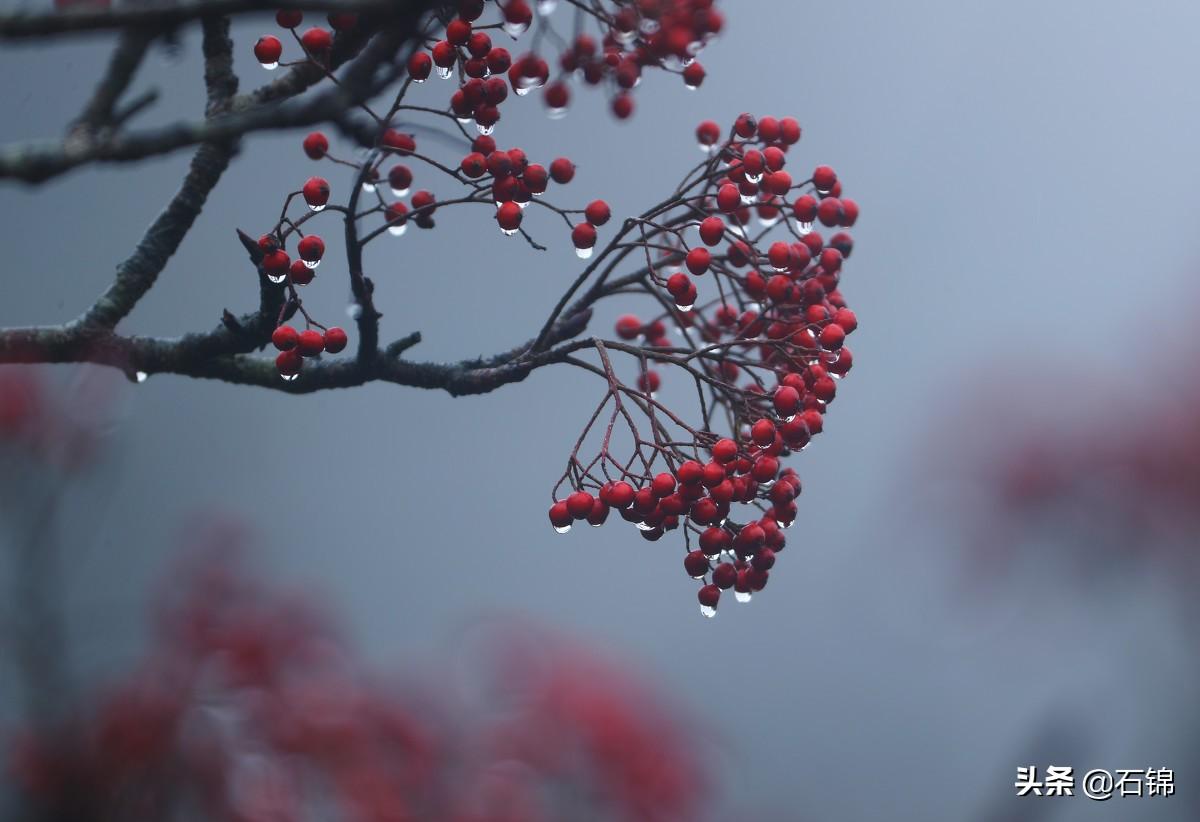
[
  {"x": 522, "y": 203},
  {"x": 649, "y": 26},
  {"x": 508, "y": 232},
  {"x": 824, "y": 191},
  {"x": 707, "y": 149},
  {"x": 754, "y": 178},
  {"x": 625, "y": 37},
  {"x": 277, "y": 278},
  {"x": 354, "y": 311},
  {"x": 317, "y": 207},
  {"x": 767, "y": 222},
  {"x": 368, "y": 186},
  {"x": 444, "y": 73},
  {"x": 556, "y": 113},
  {"x": 415, "y": 80},
  {"x": 270, "y": 66},
  {"x": 595, "y": 524},
  {"x": 290, "y": 377},
  {"x": 695, "y": 47},
  {"x": 686, "y": 308},
  {"x": 484, "y": 130},
  {"x": 400, "y": 192},
  {"x": 584, "y": 253},
  {"x": 708, "y": 611},
  {"x": 562, "y": 529},
  {"x": 398, "y": 230},
  {"x": 515, "y": 30},
  {"x": 546, "y": 7},
  {"x": 522, "y": 89},
  {"x": 748, "y": 199},
  {"x": 803, "y": 228},
  {"x": 645, "y": 526},
  {"x": 462, "y": 121},
  {"x": 312, "y": 263},
  {"x": 141, "y": 376},
  {"x": 741, "y": 596}
]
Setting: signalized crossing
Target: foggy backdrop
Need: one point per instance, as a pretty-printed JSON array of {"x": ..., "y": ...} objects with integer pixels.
[{"x": 1030, "y": 192}]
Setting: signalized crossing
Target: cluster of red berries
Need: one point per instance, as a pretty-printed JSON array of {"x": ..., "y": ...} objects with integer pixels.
[
  {"x": 316, "y": 41},
  {"x": 236, "y": 666},
  {"x": 666, "y": 34},
  {"x": 633, "y": 35},
  {"x": 777, "y": 317},
  {"x": 279, "y": 268}
]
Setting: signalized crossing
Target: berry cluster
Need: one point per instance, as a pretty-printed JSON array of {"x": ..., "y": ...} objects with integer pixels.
[
  {"x": 737, "y": 261},
  {"x": 773, "y": 314},
  {"x": 245, "y": 707}
]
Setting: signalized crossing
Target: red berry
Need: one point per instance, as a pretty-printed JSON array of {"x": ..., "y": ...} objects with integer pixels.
[
  {"x": 694, "y": 74},
  {"x": 400, "y": 178},
  {"x": 729, "y": 198},
  {"x": 316, "y": 145},
  {"x": 709, "y": 596},
  {"x": 714, "y": 540},
  {"x": 316, "y": 192},
  {"x": 628, "y": 327},
  {"x": 300, "y": 274},
  {"x": 620, "y": 494},
  {"x": 649, "y": 382},
  {"x": 765, "y": 469},
  {"x": 696, "y": 564},
  {"x": 708, "y": 133},
  {"x": 724, "y": 576},
  {"x": 458, "y": 32},
  {"x": 335, "y": 340},
  {"x": 474, "y": 165},
  {"x": 786, "y": 401},
  {"x": 583, "y": 236},
  {"x": 597, "y": 212},
  {"x": 663, "y": 484},
  {"x": 285, "y": 338},
  {"x": 508, "y": 215},
  {"x": 268, "y": 50},
  {"x": 311, "y": 248},
  {"x": 420, "y": 65},
  {"x": 829, "y": 212},
  {"x": 316, "y": 41},
  {"x": 824, "y": 178},
  {"x": 763, "y": 432},
  {"x": 712, "y": 229},
  {"x": 560, "y": 517},
  {"x": 763, "y": 560},
  {"x": 398, "y": 141},
  {"x": 724, "y": 451},
  {"x": 288, "y": 18},
  {"x": 622, "y": 106},
  {"x": 288, "y": 363},
  {"x": 789, "y": 131},
  {"x": 805, "y": 208},
  {"x": 276, "y": 263},
  {"x": 698, "y": 260},
  {"x": 562, "y": 171},
  {"x": 310, "y": 343},
  {"x": 580, "y": 504}
]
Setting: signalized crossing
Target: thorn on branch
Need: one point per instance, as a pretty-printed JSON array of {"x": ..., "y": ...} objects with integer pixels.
[{"x": 251, "y": 246}]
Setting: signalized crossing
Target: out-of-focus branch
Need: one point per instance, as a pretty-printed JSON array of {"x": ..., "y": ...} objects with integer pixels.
[
  {"x": 165, "y": 16},
  {"x": 268, "y": 108}
]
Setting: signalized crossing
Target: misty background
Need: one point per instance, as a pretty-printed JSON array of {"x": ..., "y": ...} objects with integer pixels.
[{"x": 1029, "y": 194}]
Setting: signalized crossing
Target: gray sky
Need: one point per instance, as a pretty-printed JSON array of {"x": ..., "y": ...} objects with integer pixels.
[{"x": 1029, "y": 189}]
